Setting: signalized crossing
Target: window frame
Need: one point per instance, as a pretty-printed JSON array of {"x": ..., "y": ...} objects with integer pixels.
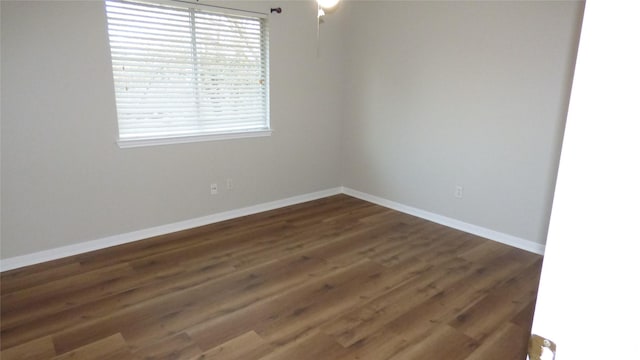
[{"x": 202, "y": 136}]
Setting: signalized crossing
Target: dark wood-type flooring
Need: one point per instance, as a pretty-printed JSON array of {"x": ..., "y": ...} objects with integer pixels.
[{"x": 337, "y": 278}]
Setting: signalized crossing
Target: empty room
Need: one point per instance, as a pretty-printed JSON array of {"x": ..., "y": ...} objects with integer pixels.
[{"x": 294, "y": 179}]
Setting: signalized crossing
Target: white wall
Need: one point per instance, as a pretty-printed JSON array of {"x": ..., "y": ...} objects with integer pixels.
[
  {"x": 588, "y": 297},
  {"x": 442, "y": 93},
  {"x": 65, "y": 181}
]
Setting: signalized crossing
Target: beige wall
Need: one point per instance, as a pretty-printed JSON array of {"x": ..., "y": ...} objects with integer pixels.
[
  {"x": 460, "y": 93},
  {"x": 404, "y": 101},
  {"x": 65, "y": 181}
]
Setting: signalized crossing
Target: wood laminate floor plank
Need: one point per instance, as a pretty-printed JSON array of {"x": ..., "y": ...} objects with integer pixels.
[{"x": 336, "y": 278}]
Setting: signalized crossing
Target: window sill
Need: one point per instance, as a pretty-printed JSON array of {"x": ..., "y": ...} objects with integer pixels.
[{"x": 191, "y": 139}]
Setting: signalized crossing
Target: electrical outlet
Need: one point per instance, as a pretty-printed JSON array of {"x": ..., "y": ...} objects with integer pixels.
[
  {"x": 229, "y": 184},
  {"x": 459, "y": 191},
  {"x": 214, "y": 189}
]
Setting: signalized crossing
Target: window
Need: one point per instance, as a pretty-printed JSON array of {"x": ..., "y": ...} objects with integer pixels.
[{"x": 187, "y": 72}]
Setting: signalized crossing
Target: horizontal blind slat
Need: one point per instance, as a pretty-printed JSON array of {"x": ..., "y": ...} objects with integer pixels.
[{"x": 181, "y": 71}]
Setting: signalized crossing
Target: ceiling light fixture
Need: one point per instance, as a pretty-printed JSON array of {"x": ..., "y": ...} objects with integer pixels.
[{"x": 327, "y": 4}]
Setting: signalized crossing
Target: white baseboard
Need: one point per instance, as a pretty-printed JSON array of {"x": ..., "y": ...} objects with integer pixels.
[
  {"x": 75, "y": 249},
  {"x": 507, "y": 239}
]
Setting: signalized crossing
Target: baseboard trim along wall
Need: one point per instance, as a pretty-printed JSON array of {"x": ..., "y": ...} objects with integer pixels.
[
  {"x": 507, "y": 239},
  {"x": 75, "y": 249}
]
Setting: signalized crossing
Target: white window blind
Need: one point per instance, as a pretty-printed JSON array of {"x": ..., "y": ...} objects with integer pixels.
[{"x": 181, "y": 71}]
